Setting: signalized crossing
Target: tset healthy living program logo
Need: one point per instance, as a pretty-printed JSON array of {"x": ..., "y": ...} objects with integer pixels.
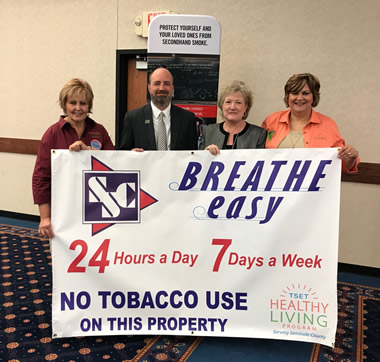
[
  {"x": 112, "y": 197},
  {"x": 299, "y": 311}
]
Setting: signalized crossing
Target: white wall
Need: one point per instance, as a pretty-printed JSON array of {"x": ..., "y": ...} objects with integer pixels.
[{"x": 44, "y": 43}]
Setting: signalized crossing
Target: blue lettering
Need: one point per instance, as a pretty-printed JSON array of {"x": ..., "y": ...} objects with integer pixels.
[
  {"x": 189, "y": 179},
  {"x": 241, "y": 298},
  {"x": 272, "y": 207},
  {"x": 256, "y": 172},
  {"x": 172, "y": 302},
  {"x": 158, "y": 296},
  {"x": 147, "y": 301},
  {"x": 235, "y": 207},
  {"x": 133, "y": 300},
  {"x": 93, "y": 324},
  {"x": 233, "y": 175},
  {"x": 69, "y": 301},
  {"x": 318, "y": 175},
  {"x": 228, "y": 302},
  {"x": 254, "y": 207},
  {"x": 104, "y": 296},
  {"x": 215, "y": 204},
  {"x": 189, "y": 294},
  {"x": 299, "y": 176},
  {"x": 277, "y": 165},
  {"x": 216, "y": 168},
  {"x": 115, "y": 304}
]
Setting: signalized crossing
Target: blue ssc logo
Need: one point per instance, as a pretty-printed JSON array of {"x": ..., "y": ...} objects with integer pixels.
[{"x": 111, "y": 197}]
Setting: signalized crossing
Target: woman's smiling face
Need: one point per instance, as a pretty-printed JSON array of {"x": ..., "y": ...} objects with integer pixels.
[
  {"x": 301, "y": 101},
  {"x": 77, "y": 107},
  {"x": 234, "y": 107}
]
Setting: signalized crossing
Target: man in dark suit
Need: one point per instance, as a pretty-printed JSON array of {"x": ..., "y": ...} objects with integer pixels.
[{"x": 143, "y": 127}]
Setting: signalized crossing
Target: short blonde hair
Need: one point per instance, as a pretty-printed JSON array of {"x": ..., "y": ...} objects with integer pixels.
[
  {"x": 74, "y": 87},
  {"x": 237, "y": 86},
  {"x": 297, "y": 81}
]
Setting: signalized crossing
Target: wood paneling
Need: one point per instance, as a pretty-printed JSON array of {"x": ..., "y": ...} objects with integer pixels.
[
  {"x": 369, "y": 173},
  {"x": 19, "y": 145}
]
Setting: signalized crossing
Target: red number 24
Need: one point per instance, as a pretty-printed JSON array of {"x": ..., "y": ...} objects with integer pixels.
[{"x": 99, "y": 259}]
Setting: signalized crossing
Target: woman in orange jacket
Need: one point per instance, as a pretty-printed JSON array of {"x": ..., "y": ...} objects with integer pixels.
[{"x": 301, "y": 126}]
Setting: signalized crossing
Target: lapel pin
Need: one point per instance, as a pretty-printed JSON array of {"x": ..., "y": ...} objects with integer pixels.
[{"x": 147, "y": 121}]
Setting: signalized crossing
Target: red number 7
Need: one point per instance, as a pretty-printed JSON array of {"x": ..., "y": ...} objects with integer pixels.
[{"x": 225, "y": 243}]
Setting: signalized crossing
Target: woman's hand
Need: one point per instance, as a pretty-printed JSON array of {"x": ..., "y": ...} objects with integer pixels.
[
  {"x": 214, "y": 149},
  {"x": 78, "y": 145},
  {"x": 348, "y": 155},
  {"x": 45, "y": 228}
]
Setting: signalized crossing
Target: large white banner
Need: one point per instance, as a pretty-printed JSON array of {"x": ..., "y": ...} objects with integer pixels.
[{"x": 243, "y": 244}]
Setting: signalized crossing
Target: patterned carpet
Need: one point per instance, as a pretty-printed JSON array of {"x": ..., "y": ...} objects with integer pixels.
[
  {"x": 358, "y": 332},
  {"x": 25, "y": 330},
  {"x": 25, "y": 299}
]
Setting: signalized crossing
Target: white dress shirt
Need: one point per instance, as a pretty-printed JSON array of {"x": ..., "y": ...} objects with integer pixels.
[{"x": 156, "y": 112}]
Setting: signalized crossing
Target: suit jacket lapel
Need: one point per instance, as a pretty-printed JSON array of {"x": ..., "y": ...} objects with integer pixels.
[
  {"x": 149, "y": 127},
  {"x": 175, "y": 125}
]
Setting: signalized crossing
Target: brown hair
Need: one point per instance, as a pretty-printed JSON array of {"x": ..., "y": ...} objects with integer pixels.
[{"x": 297, "y": 81}]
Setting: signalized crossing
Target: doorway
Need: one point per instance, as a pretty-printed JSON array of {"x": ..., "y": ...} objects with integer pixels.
[{"x": 131, "y": 85}]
